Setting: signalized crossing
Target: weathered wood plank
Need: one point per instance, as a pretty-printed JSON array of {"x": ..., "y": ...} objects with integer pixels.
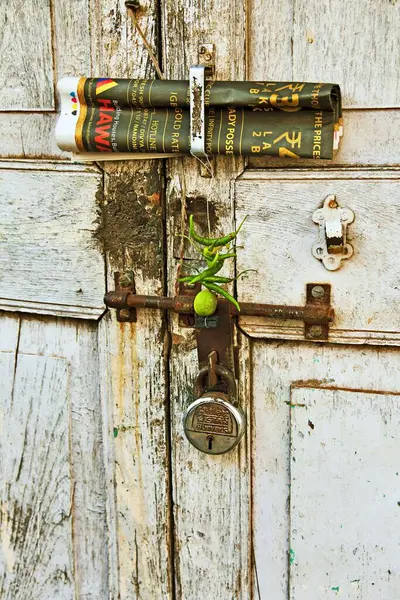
[
  {"x": 71, "y": 31},
  {"x": 269, "y": 40},
  {"x": 355, "y": 44},
  {"x": 70, "y": 391},
  {"x": 133, "y": 361},
  {"x": 29, "y": 135},
  {"x": 25, "y": 48},
  {"x": 345, "y": 472},
  {"x": 36, "y": 495},
  {"x": 210, "y": 493},
  {"x": 49, "y": 261},
  {"x": 277, "y": 369},
  {"x": 280, "y": 206}
]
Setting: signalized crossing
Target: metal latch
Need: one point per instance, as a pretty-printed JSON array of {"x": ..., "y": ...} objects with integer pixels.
[
  {"x": 332, "y": 246},
  {"x": 316, "y": 314}
]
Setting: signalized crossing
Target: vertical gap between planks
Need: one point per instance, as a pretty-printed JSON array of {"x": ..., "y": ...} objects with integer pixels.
[
  {"x": 167, "y": 337},
  {"x": 167, "y": 340}
]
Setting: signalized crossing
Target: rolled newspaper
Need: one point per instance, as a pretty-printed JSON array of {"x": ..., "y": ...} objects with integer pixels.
[{"x": 128, "y": 118}]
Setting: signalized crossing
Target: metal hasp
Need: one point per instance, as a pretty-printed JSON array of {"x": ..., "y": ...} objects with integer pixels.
[
  {"x": 332, "y": 246},
  {"x": 316, "y": 314},
  {"x": 197, "y": 112}
]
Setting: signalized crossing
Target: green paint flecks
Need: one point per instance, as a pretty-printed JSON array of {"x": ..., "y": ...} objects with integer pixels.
[
  {"x": 115, "y": 431},
  {"x": 335, "y": 589},
  {"x": 292, "y": 556}
]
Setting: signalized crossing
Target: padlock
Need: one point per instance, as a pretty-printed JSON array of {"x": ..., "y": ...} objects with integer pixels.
[{"x": 214, "y": 423}]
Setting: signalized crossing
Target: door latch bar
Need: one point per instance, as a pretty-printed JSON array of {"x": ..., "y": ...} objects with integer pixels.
[{"x": 316, "y": 314}]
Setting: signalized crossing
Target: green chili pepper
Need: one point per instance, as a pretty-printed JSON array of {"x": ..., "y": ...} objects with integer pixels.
[
  {"x": 218, "y": 279},
  {"x": 223, "y": 241},
  {"x": 208, "y": 272},
  {"x": 213, "y": 287},
  {"x": 213, "y": 242}
]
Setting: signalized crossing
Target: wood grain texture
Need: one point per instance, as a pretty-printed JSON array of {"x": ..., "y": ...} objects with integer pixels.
[
  {"x": 354, "y": 44},
  {"x": 27, "y": 64},
  {"x": 210, "y": 492},
  {"x": 269, "y": 40},
  {"x": 71, "y": 32},
  {"x": 345, "y": 472},
  {"x": 53, "y": 524},
  {"x": 36, "y": 494},
  {"x": 49, "y": 261},
  {"x": 279, "y": 235},
  {"x": 133, "y": 361},
  {"x": 29, "y": 135},
  {"x": 278, "y": 368}
]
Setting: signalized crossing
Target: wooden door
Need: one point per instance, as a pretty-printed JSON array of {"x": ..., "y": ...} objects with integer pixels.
[
  {"x": 101, "y": 494},
  {"x": 84, "y": 465},
  {"x": 308, "y": 506}
]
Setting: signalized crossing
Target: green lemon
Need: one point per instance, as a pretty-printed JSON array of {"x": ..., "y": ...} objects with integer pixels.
[{"x": 205, "y": 303}]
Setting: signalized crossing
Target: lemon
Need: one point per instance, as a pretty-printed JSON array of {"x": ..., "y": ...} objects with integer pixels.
[{"x": 205, "y": 303}]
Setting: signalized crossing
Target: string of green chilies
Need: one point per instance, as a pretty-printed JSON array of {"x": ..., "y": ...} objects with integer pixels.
[{"x": 215, "y": 261}]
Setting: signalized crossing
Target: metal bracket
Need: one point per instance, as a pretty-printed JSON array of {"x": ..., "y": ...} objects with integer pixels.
[
  {"x": 332, "y": 246},
  {"x": 197, "y": 112},
  {"x": 206, "y": 57}
]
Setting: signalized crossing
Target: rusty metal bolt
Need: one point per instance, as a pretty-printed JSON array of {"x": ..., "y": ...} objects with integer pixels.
[
  {"x": 315, "y": 331},
  {"x": 208, "y": 57},
  {"x": 126, "y": 279},
  {"x": 203, "y": 50},
  {"x": 318, "y": 292}
]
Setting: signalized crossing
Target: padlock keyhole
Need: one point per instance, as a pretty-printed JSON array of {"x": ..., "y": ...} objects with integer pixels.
[{"x": 210, "y": 442}]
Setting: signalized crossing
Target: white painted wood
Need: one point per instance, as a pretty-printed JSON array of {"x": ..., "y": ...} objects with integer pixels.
[
  {"x": 29, "y": 135},
  {"x": 25, "y": 47},
  {"x": 71, "y": 31},
  {"x": 278, "y": 237},
  {"x": 354, "y": 44},
  {"x": 269, "y": 43},
  {"x": 50, "y": 261},
  {"x": 278, "y": 368},
  {"x": 133, "y": 367},
  {"x": 211, "y": 494},
  {"x": 36, "y": 494},
  {"x": 345, "y": 473},
  {"x": 52, "y": 476}
]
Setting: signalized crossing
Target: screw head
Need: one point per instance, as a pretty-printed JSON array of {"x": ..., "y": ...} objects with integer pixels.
[
  {"x": 317, "y": 292},
  {"x": 315, "y": 331}
]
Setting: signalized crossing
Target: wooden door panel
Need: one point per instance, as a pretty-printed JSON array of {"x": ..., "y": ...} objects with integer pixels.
[
  {"x": 50, "y": 261},
  {"x": 27, "y": 63},
  {"x": 354, "y": 386},
  {"x": 53, "y": 491},
  {"x": 40, "y": 42},
  {"x": 344, "y": 494},
  {"x": 355, "y": 44},
  {"x": 278, "y": 237}
]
